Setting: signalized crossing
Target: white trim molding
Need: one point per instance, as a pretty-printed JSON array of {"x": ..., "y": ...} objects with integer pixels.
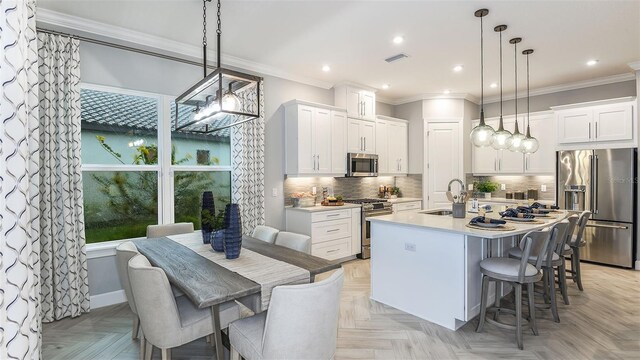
[
  {"x": 410, "y": 99},
  {"x": 58, "y": 21},
  {"x": 635, "y": 65},
  {"x": 107, "y": 299},
  {"x": 594, "y": 103}
]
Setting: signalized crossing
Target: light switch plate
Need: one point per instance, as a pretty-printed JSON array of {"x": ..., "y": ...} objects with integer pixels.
[
  {"x": 470, "y": 187},
  {"x": 274, "y": 192},
  {"x": 503, "y": 186},
  {"x": 543, "y": 188}
]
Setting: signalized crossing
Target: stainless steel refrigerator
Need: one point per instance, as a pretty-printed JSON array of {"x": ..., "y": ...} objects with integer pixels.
[{"x": 603, "y": 182}]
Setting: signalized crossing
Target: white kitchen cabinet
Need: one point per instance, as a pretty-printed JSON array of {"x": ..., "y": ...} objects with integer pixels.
[
  {"x": 542, "y": 161},
  {"x": 444, "y": 161},
  {"x": 311, "y": 146},
  {"x": 407, "y": 206},
  {"x": 361, "y": 136},
  {"x": 607, "y": 121},
  {"x": 335, "y": 234},
  {"x": 392, "y": 145},
  {"x": 485, "y": 159},
  {"x": 359, "y": 102},
  {"x": 510, "y": 162}
]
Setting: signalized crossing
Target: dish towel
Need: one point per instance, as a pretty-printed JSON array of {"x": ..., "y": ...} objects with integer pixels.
[
  {"x": 516, "y": 214},
  {"x": 482, "y": 219},
  {"x": 537, "y": 205}
]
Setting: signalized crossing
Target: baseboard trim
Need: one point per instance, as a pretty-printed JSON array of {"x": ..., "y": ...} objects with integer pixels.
[
  {"x": 107, "y": 299},
  {"x": 637, "y": 264}
]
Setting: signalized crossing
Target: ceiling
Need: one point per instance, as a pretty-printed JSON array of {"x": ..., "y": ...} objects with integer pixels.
[{"x": 354, "y": 38}]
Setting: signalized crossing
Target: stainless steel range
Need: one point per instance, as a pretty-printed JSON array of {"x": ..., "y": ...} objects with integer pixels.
[{"x": 370, "y": 208}]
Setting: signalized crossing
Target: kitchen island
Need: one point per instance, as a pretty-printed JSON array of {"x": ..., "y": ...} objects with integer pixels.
[{"x": 428, "y": 265}]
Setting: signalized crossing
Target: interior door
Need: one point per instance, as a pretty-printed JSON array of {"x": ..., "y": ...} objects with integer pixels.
[
  {"x": 322, "y": 140},
  {"x": 354, "y": 139},
  {"x": 306, "y": 161},
  {"x": 368, "y": 133},
  {"x": 614, "y": 183},
  {"x": 338, "y": 143},
  {"x": 382, "y": 146},
  {"x": 445, "y": 161}
]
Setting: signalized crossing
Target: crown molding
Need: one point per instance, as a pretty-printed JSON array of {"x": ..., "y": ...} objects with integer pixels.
[
  {"x": 356, "y": 85},
  {"x": 58, "y": 21},
  {"x": 635, "y": 65},
  {"x": 570, "y": 86},
  {"x": 431, "y": 96}
]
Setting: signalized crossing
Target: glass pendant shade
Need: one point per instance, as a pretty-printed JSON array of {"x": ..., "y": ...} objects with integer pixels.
[
  {"x": 530, "y": 144},
  {"x": 501, "y": 138},
  {"x": 482, "y": 135},
  {"x": 516, "y": 140}
]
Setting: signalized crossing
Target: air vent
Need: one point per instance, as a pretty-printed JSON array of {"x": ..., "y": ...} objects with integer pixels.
[{"x": 396, "y": 57}]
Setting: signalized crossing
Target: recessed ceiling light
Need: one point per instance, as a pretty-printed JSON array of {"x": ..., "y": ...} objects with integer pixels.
[
  {"x": 458, "y": 68},
  {"x": 326, "y": 68},
  {"x": 447, "y": 92},
  {"x": 592, "y": 62},
  {"x": 398, "y": 39},
  {"x": 493, "y": 85},
  {"x": 385, "y": 86}
]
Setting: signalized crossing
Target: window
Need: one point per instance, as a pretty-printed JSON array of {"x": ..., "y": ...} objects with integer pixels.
[{"x": 137, "y": 171}]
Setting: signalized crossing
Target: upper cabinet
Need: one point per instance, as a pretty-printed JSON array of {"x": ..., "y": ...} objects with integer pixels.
[
  {"x": 392, "y": 145},
  {"x": 315, "y": 139},
  {"x": 361, "y": 136},
  {"x": 543, "y": 160},
  {"x": 608, "y": 123},
  {"x": 359, "y": 102}
]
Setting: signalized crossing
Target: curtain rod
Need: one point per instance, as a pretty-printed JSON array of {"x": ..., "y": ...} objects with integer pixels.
[{"x": 123, "y": 47}]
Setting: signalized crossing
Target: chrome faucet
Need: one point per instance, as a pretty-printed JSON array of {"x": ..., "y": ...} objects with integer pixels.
[{"x": 458, "y": 181}]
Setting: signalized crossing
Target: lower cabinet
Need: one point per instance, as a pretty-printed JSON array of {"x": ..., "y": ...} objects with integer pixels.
[
  {"x": 335, "y": 234},
  {"x": 407, "y": 206}
]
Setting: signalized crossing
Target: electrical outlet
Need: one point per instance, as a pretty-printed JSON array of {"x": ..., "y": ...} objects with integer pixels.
[
  {"x": 314, "y": 190},
  {"x": 470, "y": 187},
  {"x": 543, "y": 188},
  {"x": 274, "y": 192},
  {"x": 410, "y": 247},
  {"x": 503, "y": 186}
]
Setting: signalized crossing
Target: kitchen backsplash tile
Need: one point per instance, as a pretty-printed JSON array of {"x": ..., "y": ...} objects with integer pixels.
[
  {"x": 520, "y": 183},
  {"x": 410, "y": 186}
]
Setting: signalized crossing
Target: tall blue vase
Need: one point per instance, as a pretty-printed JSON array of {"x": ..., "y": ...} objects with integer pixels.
[
  {"x": 232, "y": 231},
  {"x": 209, "y": 205}
]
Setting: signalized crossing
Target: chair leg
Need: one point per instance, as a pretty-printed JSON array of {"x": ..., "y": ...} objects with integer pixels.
[
  {"x": 483, "y": 302},
  {"x": 578, "y": 274},
  {"x": 235, "y": 355},
  {"x": 562, "y": 278},
  {"x": 532, "y": 308},
  {"x": 135, "y": 331},
  {"x": 143, "y": 343},
  {"x": 545, "y": 286},
  {"x": 148, "y": 350},
  {"x": 551, "y": 281},
  {"x": 166, "y": 354},
  {"x": 497, "y": 300},
  {"x": 518, "y": 289}
]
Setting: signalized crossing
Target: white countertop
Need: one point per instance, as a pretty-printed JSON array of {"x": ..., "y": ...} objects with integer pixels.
[
  {"x": 482, "y": 200},
  {"x": 403, "y": 200},
  {"x": 323, "y": 208},
  {"x": 449, "y": 224}
]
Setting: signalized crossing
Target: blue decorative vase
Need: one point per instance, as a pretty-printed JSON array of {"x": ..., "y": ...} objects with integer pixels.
[
  {"x": 232, "y": 231},
  {"x": 217, "y": 240},
  {"x": 206, "y": 236},
  {"x": 208, "y": 205}
]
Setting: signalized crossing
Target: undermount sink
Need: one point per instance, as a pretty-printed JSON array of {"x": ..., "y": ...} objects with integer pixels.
[{"x": 437, "y": 212}]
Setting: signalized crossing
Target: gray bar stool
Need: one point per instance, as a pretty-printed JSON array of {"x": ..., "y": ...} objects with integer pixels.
[
  {"x": 560, "y": 264},
  {"x": 549, "y": 258},
  {"x": 573, "y": 249},
  {"x": 517, "y": 273}
]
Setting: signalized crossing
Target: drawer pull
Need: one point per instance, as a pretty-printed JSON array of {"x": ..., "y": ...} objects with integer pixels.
[
  {"x": 333, "y": 230},
  {"x": 334, "y": 250},
  {"x": 332, "y": 215}
]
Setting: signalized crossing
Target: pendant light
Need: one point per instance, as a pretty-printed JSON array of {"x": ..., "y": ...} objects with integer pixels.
[
  {"x": 517, "y": 137},
  {"x": 221, "y": 99},
  {"x": 482, "y": 135},
  {"x": 529, "y": 144},
  {"x": 502, "y": 137}
]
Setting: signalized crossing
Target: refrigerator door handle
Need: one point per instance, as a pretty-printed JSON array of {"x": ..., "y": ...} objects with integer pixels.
[
  {"x": 590, "y": 185},
  {"x": 619, "y": 227},
  {"x": 594, "y": 181}
]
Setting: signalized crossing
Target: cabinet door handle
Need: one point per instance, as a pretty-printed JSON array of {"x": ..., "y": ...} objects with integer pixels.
[
  {"x": 365, "y": 144},
  {"x": 318, "y": 156},
  {"x": 333, "y": 215},
  {"x": 596, "y": 130},
  {"x": 500, "y": 164},
  {"x": 332, "y": 251},
  {"x": 495, "y": 164},
  {"x": 333, "y": 230},
  {"x": 589, "y": 130}
]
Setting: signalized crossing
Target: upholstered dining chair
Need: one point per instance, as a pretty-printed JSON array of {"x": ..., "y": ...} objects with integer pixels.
[
  {"x": 265, "y": 233},
  {"x": 294, "y": 241},
  {"x": 168, "y": 322},
  {"x": 125, "y": 252},
  {"x": 573, "y": 249},
  {"x": 517, "y": 272},
  {"x": 155, "y": 231},
  {"x": 301, "y": 323}
]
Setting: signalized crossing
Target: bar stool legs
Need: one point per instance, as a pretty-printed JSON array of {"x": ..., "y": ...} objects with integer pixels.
[
  {"x": 483, "y": 302},
  {"x": 562, "y": 281},
  {"x": 575, "y": 268}
]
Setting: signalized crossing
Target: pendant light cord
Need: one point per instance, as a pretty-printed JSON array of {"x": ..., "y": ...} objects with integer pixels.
[
  {"x": 501, "y": 76},
  {"x": 481, "y": 68},
  {"x": 515, "y": 53},
  {"x": 219, "y": 34},
  {"x": 204, "y": 37},
  {"x": 528, "y": 111}
]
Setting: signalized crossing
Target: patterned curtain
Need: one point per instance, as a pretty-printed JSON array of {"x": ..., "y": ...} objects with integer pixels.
[
  {"x": 247, "y": 176},
  {"x": 19, "y": 226},
  {"x": 63, "y": 258}
]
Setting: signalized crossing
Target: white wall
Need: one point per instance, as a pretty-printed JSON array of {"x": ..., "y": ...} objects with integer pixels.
[{"x": 384, "y": 109}]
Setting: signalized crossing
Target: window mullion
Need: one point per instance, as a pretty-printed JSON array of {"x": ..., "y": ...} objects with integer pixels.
[{"x": 166, "y": 172}]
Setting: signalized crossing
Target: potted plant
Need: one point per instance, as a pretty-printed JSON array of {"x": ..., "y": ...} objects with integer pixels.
[
  {"x": 395, "y": 192},
  {"x": 486, "y": 187}
]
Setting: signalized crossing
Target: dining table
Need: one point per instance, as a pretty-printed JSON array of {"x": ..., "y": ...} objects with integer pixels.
[{"x": 208, "y": 279}]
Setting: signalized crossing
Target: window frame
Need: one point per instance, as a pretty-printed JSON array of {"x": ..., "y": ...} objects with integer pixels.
[{"x": 164, "y": 169}]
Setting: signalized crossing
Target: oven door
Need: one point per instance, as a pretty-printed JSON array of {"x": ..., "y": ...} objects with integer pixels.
[
  {"x": 362, "y": 165},
  {"x": 366, "y": 229}
]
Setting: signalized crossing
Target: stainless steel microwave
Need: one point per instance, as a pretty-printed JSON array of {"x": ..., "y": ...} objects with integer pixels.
[{"x": 362, "y": 165}]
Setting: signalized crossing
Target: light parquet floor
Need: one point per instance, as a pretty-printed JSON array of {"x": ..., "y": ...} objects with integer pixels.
[{"x": 603, "y": 322}]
